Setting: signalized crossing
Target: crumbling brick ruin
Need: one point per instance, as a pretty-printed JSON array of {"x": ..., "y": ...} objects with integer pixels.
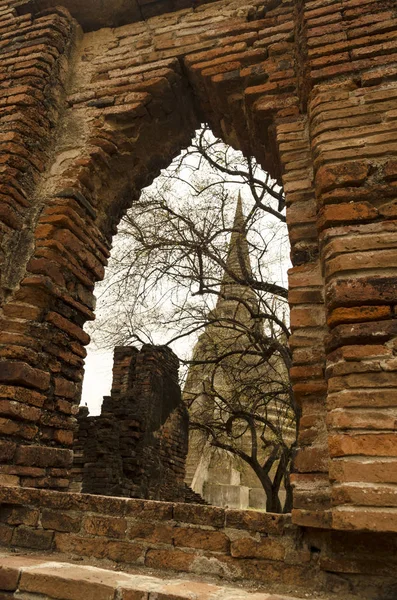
[
  {"x": 93, "y": 103},
  {"x": 137, "y": 447}
]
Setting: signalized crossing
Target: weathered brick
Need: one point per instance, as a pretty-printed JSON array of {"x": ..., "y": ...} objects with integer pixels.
[
  {"x": 22, "y": 374},
  {"x": 365, "y": 444},
  {"x": 41, "y": 456},
  {"x": 177, "y": 560},
  {"x": 60, "y": 521},
  {"x": 36, "y": 539},
  {"x": 256, "y": 521},
  {"x": 113, "y": 527},
  {"x": 199, "y": 515},
  {"x": 9, "y": 578},
  {"x": 188, "y": 537},
  {"x": 268, "y": 548},
  {"x": 19, "y": 515}
]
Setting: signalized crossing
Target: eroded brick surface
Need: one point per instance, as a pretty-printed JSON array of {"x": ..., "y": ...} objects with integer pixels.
[{"x": 309, "y": 89}]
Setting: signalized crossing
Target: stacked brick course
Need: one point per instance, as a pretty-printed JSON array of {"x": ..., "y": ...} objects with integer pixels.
[
  {"x": 137, "y": 447},
  {"x": 230, "y": 544},
  {"x": 306, "y": 86}
]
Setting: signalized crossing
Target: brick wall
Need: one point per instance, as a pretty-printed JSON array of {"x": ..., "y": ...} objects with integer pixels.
[
  {"x": 137, "y": 447},
  {"x": 234, "y": 545},
  {"x": 194, "y": 539},
  {"x": 309, "y": 89}
]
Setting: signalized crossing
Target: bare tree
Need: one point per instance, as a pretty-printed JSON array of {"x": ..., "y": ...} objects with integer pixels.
[{"x": 187, "y": 263}]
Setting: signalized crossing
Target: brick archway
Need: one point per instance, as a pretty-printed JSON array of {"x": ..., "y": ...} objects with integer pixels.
[{"x": 92, "y": 123}]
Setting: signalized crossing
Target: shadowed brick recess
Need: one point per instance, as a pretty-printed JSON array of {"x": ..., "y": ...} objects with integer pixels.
[{"x": 90, "y": 114}]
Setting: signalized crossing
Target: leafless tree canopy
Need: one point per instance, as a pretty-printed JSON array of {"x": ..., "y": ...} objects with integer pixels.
[{"x": 171, "y": 270}]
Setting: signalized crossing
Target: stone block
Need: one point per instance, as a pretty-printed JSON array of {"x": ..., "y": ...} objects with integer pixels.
[
  {"x": 35, "y": 539},
  {"x": 175, "y": 559},
  {"x": 231, "y": 496},
  {"x": 270, "y": 523},
  {"x": 150, "y": 532},
  {"x": 149, "y": 510},
  {"x": 112, "y": 527},
  {"x": 5, "y": 534},
  {"x": 265, "y": 548},
  {"x": 126, "y": 552},
  {"x": 46, "y": 582},
  {"x": 9, "y": 577},
  {"x": 365, "y": 444},
  {"x": 193, "y": 537},
  {"x": 257, "y": 498},
  {"x": 199, "y": 515},
  {"x": 60, "y": 521},
  {"x": 7, "y": 450},
  {"x": 22, "y": 374},
  {"x": 41, "y": 456},
  {"x": 18, "y": 515},
  {"x": 95, "y": 547}
]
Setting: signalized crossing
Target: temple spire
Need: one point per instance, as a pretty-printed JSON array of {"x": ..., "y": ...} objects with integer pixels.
[
  {"x": 238, "y": 265},
  {"x": 238, "y": 259}
]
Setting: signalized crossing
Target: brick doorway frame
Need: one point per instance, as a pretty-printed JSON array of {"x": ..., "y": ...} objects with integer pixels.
[{"x": 81, "y": 141}]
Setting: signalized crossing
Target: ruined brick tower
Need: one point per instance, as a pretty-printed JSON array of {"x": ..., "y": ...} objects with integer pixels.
[
  {"x": 137, "y": 447},
  {"x": 94, "y": 100}
]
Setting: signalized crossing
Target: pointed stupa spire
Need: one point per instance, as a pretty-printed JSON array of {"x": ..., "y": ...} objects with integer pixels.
[{"x": 238, "y": 258}]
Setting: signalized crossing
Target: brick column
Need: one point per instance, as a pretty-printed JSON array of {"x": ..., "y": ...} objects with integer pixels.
[
  {"x": 353, "y": 141},
  {"x": 36, "y": 433},
  {"x": 124, "y": 358},
  {"x": 306, "y": 298}
]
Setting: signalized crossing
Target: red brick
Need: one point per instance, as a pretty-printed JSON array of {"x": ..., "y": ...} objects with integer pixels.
[
  {"x": 113, "y": 527},
  {"x": 18, "y": 515},
  {"x": 19, "y": 410},
  {"x": 255, "y": 521},
  {"x": 68, "y": 327},
  {"x": 151, "y": 532},
  {"x": 34, "y": 539},
  {"x": 365, "y": 519},
  {"x": 23, "y": 395},
  {"x": 177, "y": 560},
  {"x": 358, "y": 314},
  {"x": 268, "y": 548},
  {"x": 14, "y": 428},
  {"x": 60, "y": 521},
  {"x": 189, "y": 537},
  {"x": 66, "y": 388},
  {"x": 312, "y": 459},
  {"x": 371, "y": 470},
  {"x": 40, "y": 456},
  {"x": 22, "y": 374},
  {"x": 364, "y": 494},
  {"x": 366, "y": 444},
  {"x": 331, "y": 216},
  {"x": 9, "y": 577},
  {"x": 350, "y": 173}
]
